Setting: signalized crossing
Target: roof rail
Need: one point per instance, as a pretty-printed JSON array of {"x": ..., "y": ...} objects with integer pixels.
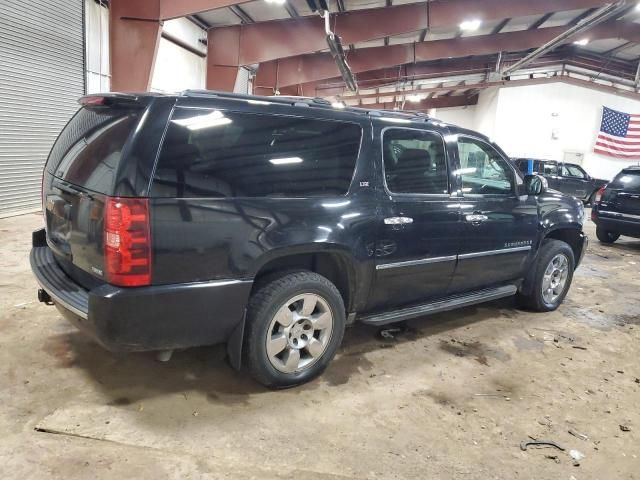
[{"x": 308, "y": 102}]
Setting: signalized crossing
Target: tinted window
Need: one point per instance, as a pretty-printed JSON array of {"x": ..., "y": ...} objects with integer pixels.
[
  {"x": 572, "y": 171},
  {"x": 211, "y": 153},
  {"x": 88, "y": 150},
  {"x": 414, "y": 162},
  {"x": 628, "y": 181},
  {"x": 483, "y": 170}
]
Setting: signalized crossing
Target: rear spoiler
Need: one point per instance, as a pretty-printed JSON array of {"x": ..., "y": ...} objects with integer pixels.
[{"x": 115, "y": 100}]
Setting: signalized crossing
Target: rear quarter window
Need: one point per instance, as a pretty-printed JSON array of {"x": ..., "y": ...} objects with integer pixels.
[{"x": 218, "y": 154}]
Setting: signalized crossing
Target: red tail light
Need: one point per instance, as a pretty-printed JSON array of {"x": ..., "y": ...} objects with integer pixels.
[
  {"x": 127, "y": 242},
  {"x": 599, "y": 194}
]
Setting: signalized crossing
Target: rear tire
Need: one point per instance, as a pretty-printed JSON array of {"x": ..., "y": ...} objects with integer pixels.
[
  {"x": 295, "y": 325},
  {"x": 605, "y": 236},
  {"x": 552, "y": 277}
]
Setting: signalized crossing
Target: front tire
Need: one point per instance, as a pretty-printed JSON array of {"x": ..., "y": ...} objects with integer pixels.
[
  {"x": 295, "y": 325},
  {"x": 605, "y": 236},
  {"x": 552, "y": 277}
]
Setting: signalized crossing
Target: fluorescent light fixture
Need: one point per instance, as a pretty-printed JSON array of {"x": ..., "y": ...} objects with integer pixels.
[
  {"x": 200, "y": 122},
  {"x": 582, "y": 42},
  {"x": 395, "y": 120},
  {"x": 470, "y": 25},
  {"x": 464, "y": 171},
  {"x": 276, "y": 2},
  {"x": 415, "y": 98},
  {"x": 338, "y": 105},
  {"x": 285, "y": 161}
]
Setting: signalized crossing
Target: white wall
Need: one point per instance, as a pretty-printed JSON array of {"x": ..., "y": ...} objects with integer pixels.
[
  {"x": 177, "y": 68},
  {"x": 462, "y": 116},
  {"x": 545, "y": 121}
]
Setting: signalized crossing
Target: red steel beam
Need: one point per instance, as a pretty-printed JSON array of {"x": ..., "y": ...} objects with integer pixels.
[
  {"x": 133, "y": 44},
  {"x": 265, "y": 41},
  {"x": 451, "y": 67},
  {"x": 311, "y": 68}
]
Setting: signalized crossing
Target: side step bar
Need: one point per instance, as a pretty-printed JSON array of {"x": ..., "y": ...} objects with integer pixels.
[{"x": 442, "y": 305}]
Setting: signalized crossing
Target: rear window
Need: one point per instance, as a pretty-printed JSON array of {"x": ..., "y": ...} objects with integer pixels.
[
  {"x": 88, "y": 150},
  {"x": 216, "y": 154},
  {"x": 629, "y": 181}
]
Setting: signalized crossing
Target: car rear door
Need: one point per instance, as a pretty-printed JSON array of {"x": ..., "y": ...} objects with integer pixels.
[
  {"x": 498, "y": 227},
  {"x": 574, "y": 181},
  {"x": 416, "y": 247}
]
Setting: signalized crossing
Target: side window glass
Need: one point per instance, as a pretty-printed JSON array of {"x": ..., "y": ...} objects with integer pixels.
[
  {"x": 550, "y": 168},
  {"x": 414, "y": 162},
  {"x": 572, "y": 171},
  {"x": 219, "y": 154},
  {"x": 483, "y": 170}
]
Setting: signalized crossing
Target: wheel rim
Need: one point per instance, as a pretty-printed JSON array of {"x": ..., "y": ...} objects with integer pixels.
[
  {"x": 299, "y": 333},
  {"x": 555, "y": 277}
]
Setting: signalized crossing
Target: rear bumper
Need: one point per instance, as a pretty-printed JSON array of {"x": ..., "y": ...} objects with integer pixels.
[
  {"x": 145, "y": 318},
  {"x": 624, "y": 224}
]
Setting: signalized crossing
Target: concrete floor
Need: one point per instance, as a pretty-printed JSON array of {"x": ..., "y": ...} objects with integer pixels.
[{"x": 451, "y": 397}]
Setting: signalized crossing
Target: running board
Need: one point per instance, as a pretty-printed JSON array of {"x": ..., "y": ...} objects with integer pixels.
[{"x": 442, "y": 305}]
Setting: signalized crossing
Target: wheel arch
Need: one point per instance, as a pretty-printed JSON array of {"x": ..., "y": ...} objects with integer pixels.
[
  {"x": 570, "y": 233},
  {"x": 333, "y": 262}
]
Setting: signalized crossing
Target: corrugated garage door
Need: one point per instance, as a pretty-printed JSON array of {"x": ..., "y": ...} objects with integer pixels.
[{"x": 41, "y": 78}]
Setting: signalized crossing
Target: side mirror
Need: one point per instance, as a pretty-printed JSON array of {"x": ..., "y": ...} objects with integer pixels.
[{"x": 535, "y": 184}]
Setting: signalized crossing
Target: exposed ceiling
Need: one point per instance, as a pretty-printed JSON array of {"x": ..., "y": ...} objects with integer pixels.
[{"x": 607, "y": 59}]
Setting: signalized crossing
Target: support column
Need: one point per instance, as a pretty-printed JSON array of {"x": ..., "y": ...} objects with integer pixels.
[
  {"x": 223, "y": 58},
  {"x": 134, "y": 36}
]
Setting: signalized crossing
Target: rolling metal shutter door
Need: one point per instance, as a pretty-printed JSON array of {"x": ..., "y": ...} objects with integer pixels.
[{"x": 41, "y": 78}]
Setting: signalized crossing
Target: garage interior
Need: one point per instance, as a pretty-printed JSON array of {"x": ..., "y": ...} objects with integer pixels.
[{"x": 452, "y": 395}]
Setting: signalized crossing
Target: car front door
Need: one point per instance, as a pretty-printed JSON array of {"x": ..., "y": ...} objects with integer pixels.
[
  {"x": 498, "y": 226},
  {"x": 418, "y": 236}
]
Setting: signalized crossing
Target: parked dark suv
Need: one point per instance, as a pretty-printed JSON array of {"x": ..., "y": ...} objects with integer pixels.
[
  {"x": 567, "y": 178},
  {"x": 271, "y": 223},
  {"x": 617, "y": 208}
]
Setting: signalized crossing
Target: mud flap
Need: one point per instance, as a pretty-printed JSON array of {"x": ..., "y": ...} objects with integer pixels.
[{"x": 234, "y": 344}]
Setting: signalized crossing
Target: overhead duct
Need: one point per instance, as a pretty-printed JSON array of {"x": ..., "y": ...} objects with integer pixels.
[{"x": 599, "y": 16}]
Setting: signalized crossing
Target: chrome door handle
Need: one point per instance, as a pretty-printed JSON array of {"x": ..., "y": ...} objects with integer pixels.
[
  {"x": 398, "y": 220},
  {"x": 476, "y": 218}
]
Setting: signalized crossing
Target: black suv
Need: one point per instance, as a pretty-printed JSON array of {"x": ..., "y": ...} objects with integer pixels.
[
  {"x": 271, "y": 223},
  {"x": 567, "y": 178},
  {"x": 617, "y": 207}
]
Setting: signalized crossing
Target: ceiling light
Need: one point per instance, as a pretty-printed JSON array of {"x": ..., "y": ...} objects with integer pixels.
[
  {"x": 581, "y": 42},
  {"x": 470, "y": 25},
  {"x": 276, "y": 2},
  {"x": 415, "y": 98},
  {"x": 285, "y": 161},
  {"x": 638, "y": 7}
]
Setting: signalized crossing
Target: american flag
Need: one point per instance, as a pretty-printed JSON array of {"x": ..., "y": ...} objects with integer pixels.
[{"x": 619, "y": 134}]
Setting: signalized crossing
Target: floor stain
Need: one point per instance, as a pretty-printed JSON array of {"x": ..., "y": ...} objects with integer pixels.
[{"x": 480, "y": 352}]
